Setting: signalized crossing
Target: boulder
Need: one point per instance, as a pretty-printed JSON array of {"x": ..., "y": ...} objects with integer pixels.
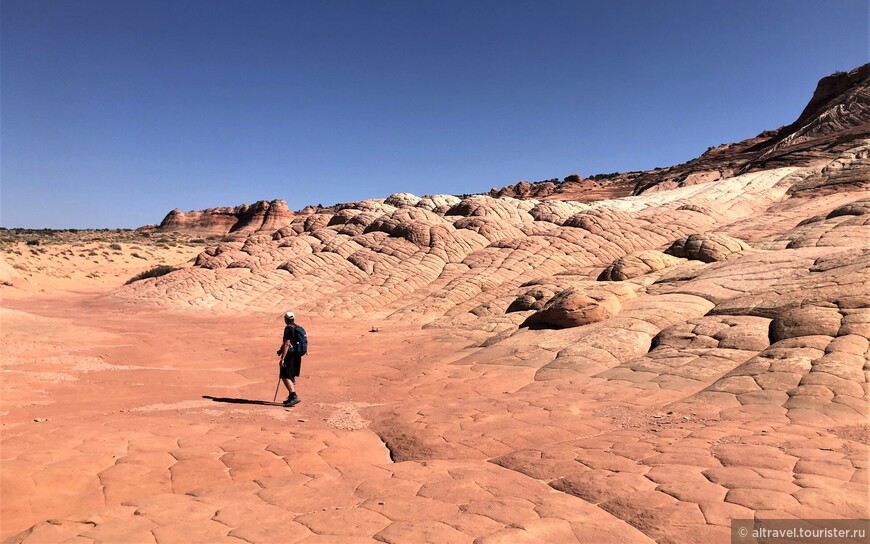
[
  {"x": 638, "y": 264},
  {"x": 805, "y": 321},
  {"x": 575, "y": 308},
  {"x": 533, "y": 299},
  {"x": 402, "y": 200},
  {"x": 709, "y": 247},
  {"x": 858, "y": 207},
  {"x": 438, "y": 202}
]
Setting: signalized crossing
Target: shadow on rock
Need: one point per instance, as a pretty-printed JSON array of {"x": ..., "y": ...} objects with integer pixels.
[{"x": 242, "y": 401}]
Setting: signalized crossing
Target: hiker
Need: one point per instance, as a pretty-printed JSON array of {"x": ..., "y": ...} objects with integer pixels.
[{"x": 295, "y": 345}]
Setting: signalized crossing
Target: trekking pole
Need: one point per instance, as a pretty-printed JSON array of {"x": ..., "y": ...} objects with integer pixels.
[{"x": 275, "y": 398}]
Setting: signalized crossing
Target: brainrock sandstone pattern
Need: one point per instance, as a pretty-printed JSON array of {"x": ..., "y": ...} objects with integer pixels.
[
  {"x": 707, "y": 247},
  {"x": 374, "y": 257},
  {"x": 638, "y": 264}
]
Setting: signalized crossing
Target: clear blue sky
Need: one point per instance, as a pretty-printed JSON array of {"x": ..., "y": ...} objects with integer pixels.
[{"x": 114, "y": 112}]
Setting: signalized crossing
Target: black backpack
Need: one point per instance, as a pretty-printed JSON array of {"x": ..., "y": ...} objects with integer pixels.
[{"x": 300, "y": 346}]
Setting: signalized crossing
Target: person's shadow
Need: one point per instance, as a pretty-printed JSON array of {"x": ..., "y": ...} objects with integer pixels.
[{"x": 242, "y": 401}]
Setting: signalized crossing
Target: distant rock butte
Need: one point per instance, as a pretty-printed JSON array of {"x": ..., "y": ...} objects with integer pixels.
[
  {"x": 837, "y": 114},
  {"x": 262, "y": 216}
]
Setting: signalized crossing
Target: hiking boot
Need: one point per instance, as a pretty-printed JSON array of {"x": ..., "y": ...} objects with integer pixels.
[{"x": 292, "y": 400}]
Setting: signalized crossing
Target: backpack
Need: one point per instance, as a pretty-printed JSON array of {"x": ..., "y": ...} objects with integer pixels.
[{"x": 300, "y": 345}]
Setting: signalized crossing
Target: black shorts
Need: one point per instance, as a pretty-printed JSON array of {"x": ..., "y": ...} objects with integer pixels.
[{"x": 292, "y": 367}]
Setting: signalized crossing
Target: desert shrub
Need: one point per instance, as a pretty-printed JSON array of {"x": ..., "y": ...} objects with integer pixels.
[
  {"x": 599, "y": 177},
  {"x": 136, "y": 255},
  {"x": 33, "y": 242},
  {"x": 155, "y": 272},
  {"x": 116, "y": 247},
  {"x": 466, "y": 195},
  {"x": 197, "y": 241}
]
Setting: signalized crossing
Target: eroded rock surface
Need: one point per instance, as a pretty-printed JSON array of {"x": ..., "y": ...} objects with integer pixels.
[
  {"x": 575, "y": 307},
  {"x": 638, "y": 264},
  {"x": 372, "y": 257},
  {"x": 836, "y": 116},
  {"x": 708, "y": 247},
  {"x": 241, "y": 220}
]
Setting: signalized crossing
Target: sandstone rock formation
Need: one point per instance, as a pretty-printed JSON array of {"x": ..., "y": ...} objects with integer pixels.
[
  {"x": 572, "y": 187},
  {"x": 577, "y": 306},
  {"x": 708, "y": 247},
  {"x": 837, "y": 115},
  {"x": 372, "y": 257},
  {"x": 638, "y": 264},
  {"x": 241, "y": 220}
]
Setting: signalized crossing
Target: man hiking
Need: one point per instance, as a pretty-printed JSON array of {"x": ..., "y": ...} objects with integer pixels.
[{"x": 295, "y": 345}]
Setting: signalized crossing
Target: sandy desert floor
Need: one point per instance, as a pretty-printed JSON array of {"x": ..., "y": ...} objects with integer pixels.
[
  {"x": 105, "y": 406},
  {"x": 130, "y": 425}
]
